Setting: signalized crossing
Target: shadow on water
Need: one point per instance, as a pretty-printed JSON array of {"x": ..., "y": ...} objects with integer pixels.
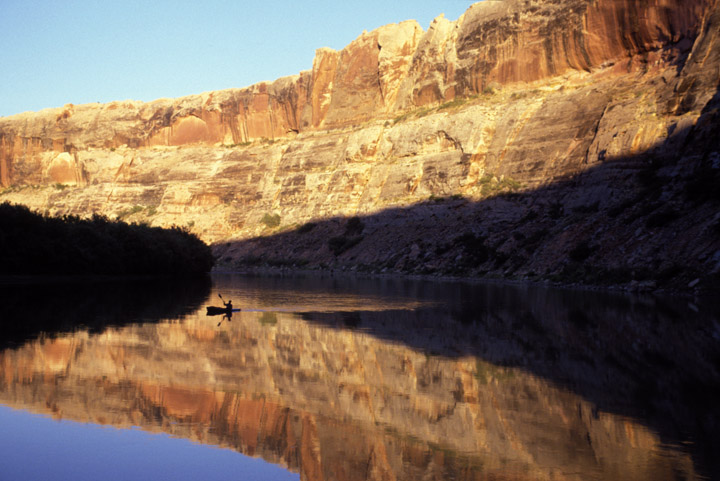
[
  {"x": 51, "y": 306},
  {"x": 651, "y": 358}
]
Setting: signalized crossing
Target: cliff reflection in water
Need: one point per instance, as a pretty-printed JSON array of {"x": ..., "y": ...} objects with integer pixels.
[{"x": 383, "y": 379}]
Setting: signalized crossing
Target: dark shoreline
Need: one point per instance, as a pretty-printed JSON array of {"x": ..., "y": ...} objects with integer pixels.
[
  {"x": 51, "y": 305},
  {"x": 694, "y": 294}
]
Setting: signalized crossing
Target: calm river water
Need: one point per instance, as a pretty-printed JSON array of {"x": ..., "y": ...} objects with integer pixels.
[{"x": 327, "y": 378}]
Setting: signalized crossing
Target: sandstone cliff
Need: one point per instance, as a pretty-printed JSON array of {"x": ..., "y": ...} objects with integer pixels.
[{"x": 597, "y": 116}]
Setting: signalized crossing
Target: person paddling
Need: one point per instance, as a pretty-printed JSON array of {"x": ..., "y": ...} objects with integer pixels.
[{"x": 228, "y": 304}]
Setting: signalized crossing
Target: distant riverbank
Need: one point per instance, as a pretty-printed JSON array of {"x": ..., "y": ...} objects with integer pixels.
[{"x": 35, "y": 244}]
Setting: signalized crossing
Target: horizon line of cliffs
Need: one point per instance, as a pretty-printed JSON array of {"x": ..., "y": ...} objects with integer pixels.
[{"x": 392, "y": 69}]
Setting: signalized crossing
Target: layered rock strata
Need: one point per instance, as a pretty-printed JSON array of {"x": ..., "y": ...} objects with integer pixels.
[{"x": 514, "y": 96}]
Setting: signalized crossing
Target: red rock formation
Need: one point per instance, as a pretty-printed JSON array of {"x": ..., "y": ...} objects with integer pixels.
[
  {"x": 525, "y": 41},
  {"x": 394, "y": 67}
]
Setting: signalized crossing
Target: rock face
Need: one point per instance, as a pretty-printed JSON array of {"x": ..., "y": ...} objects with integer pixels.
[{"x": 515, "y": 96}]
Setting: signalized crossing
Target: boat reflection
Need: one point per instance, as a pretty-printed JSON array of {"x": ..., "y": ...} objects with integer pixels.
[{"x": 476, "y": 382}]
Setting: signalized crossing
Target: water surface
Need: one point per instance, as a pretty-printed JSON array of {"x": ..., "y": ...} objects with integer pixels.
[{"x": 342, "y": 378}]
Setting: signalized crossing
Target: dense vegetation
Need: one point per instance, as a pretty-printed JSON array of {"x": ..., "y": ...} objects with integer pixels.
[{"x": 31, "y": 243}]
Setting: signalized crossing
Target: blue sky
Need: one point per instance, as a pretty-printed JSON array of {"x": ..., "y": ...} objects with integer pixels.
[{"x": 78, "y": 51}]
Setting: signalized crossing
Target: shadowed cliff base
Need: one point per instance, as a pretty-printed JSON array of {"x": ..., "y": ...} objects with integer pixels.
[
  {"x": 32, "y": 243},
  {"x": 647, "y": 221},
  {"x": 31, "y": 307}
]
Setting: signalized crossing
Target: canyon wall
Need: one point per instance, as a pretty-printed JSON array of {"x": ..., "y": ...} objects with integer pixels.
[{"x": 566, "y": 104}]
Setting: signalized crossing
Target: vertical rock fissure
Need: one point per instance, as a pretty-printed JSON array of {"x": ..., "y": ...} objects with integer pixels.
[{"x": 594, "y": 135}]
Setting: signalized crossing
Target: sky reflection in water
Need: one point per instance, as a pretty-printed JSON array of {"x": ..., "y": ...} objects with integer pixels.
[{"x": 37, "y": 447}]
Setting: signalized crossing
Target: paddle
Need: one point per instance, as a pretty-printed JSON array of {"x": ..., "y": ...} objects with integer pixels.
[
  {"x": 225, "y": 316},
  {"x": 223, "y": 320},
  {"x": 223, "y": 300}
]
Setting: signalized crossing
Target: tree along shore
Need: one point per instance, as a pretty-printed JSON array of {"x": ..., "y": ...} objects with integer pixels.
[{"x": 37, "y": 244}]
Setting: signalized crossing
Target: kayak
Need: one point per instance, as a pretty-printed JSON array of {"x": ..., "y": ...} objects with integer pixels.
[{"x": 212, "y": 310}]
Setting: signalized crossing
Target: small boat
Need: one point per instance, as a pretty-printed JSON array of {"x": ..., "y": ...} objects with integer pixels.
[{"x": 214, "y": 311}]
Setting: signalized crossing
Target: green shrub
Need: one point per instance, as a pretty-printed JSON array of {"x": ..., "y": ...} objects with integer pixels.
[
  {"x": 511, "y": 184},
  {"x": 417, "y": 113},
  {"x": 587, "y": 209},
  {"x": 500, "y": 259},
  {"x": 351, "y": 237},
  {"x": 491, "y": 89},
  {"x": 661, "y": 218},
  {"x": 271, "y": 220},
  {"x": 556, "y": 210},
  {"x": 401, "y": 118},
  {"x": 581, "y": 251},
  {"x": 669, "y": 274},
  {"x": 618, "y": 209},
  {"x": 423, "y": 112},
  {"x": 474, "y": 248},
  {"x": 342, "y": 243},
  {"x": 354, "y": 226},
  {"x": 531, "y": 215},
  {"x": 131, "y": 211},
  {"x": 456, "y": 102},
  {"x": 536, "y": 237},
  {"x": 703, "y": 187},
  {"x": 491, "y": 185}
]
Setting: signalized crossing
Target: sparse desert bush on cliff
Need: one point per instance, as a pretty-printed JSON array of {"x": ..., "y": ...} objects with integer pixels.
[
  {"x": 271, "y": 220},
  {"x": 31, "y": 243},
  {"x": 340, "y": 244},
  {"x": 351, "y": 237}
]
